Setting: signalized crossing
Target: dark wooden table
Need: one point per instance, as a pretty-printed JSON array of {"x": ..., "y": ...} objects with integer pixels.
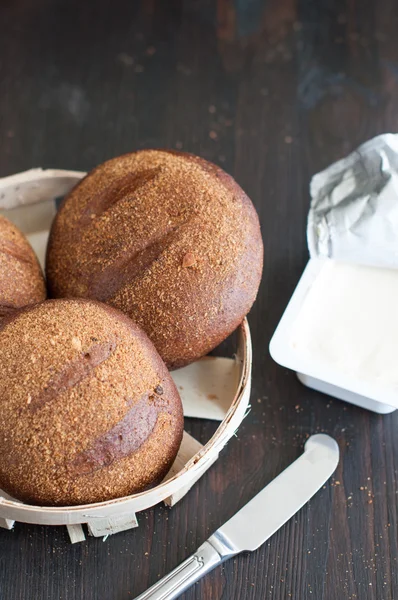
[{"x": 272, "y": 91}]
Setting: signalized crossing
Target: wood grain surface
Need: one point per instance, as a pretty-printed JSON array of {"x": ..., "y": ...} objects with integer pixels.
[{"x": 273, "y": 91}]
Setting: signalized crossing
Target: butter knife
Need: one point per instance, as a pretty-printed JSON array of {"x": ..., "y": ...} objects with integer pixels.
[{"x": 258, "y": 520}]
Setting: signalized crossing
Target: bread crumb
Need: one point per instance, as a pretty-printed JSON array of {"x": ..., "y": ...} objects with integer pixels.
[
  {"x": 189, "y": 260},
  {"x": 76, "y": 343}
]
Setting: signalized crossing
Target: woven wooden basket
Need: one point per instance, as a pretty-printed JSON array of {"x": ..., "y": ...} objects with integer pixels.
[{"x": 217, "y": 388}]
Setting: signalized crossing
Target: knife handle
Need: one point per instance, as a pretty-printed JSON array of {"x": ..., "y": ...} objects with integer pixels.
[{"x": 185, "y": 575}]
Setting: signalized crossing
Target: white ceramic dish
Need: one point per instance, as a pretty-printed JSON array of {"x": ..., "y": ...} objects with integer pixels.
[
  {"x": 323, "y": 378},
  {"x": 212, "y": 388}
]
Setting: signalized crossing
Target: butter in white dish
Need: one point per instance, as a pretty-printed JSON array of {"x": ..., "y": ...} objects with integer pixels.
[
  {"x": 348, "y": 322},
  {"x": 339, "y": 331},
  {"x": 315, "y": 336}
]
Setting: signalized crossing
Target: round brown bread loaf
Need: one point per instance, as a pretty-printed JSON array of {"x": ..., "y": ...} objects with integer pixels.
[
  {"x": 21, "y": 278},
  {"x": 89, "y": 411},
  {"x": 168, "y": 238}
]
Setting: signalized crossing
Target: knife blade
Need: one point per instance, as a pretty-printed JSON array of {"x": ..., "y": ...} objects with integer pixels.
[{"x": 258, "y": 520}]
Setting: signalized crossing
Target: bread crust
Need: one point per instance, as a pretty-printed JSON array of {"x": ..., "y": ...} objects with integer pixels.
[
  {"x": 168, "y": 238},
  {"x": 89, "y": 411},
  {"x": 21, "y": 278}
]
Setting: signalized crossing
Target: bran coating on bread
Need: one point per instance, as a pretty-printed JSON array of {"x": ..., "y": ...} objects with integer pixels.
[
  {"x": 89, "y": 411},
  {"x": 168, "y": 238},
  {"x": 21, "y": 278}
]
